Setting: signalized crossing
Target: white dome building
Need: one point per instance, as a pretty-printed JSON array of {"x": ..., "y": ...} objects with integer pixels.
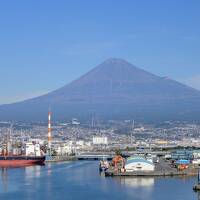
[{"x": 138, "y": 164}]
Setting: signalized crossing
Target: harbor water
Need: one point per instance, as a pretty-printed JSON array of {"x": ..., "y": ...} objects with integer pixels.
[{"x": 81, "y": 180}]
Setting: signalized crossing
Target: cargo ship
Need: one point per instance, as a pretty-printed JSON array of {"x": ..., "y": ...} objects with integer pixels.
[
  {"x": 20, "y": 160},
  {"x": 12, "y": 157}
]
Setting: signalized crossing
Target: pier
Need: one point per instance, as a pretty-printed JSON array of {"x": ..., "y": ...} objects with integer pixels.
[
  {"x": 152, "y": 174},
  {"x": 60, "y": 158},
  {"x": 163, "y": 168}
]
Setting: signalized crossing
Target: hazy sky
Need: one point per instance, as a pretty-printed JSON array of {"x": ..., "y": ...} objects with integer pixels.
[{"x": 46, "y": 44}]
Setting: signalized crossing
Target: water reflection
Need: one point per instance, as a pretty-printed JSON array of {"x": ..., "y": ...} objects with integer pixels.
[
  {"x": 147, "y": 183},
  {"x": 4, "y": 179},
  {"x": 143, "y": 187},
  {"x": 25, "y": 175},
  {"x": 32, "y": 172},
  {"x": 198, "y": 195}
]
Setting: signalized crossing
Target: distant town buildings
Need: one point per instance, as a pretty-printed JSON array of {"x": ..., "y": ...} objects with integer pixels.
[
  {"x": 100, "y": 140},
  {"x": 71, "y": 138}
]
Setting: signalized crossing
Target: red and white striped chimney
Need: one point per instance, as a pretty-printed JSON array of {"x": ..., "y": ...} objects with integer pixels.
[{"x": 49, "y": 129}]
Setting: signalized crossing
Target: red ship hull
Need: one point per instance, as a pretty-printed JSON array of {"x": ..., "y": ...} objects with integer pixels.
[{"x": 21, "y": 161}]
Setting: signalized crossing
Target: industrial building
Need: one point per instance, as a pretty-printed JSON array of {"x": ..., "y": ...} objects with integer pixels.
[{"x": 138, "y": 164}]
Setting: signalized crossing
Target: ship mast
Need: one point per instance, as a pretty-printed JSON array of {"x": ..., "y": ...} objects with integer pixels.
[{"x": 7, "y": 150}]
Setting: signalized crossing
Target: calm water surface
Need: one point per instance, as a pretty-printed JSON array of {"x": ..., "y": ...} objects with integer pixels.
[{"x": 81, "y": 180}]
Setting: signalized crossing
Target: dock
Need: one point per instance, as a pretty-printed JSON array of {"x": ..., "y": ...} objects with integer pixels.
[
  {"x": 163, "y": 168},
  {"x": 60, "y": 158},
  {"x": 152, "y": 174}
]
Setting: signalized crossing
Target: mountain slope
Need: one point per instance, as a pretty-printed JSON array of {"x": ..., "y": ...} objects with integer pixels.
[{"x": 113, "y": 89}]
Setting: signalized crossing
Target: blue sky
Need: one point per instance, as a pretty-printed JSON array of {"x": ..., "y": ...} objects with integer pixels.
[{"x": 46, "y": 44}]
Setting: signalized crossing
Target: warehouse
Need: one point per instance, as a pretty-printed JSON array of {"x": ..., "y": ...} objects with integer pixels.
[{"x": 138, "y": 164}]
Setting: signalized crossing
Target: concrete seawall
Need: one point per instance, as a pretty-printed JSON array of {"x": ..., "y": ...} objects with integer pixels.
[{"x": 60, "y": 158}]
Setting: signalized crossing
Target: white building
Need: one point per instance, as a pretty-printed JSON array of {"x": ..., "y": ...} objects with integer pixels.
[
  {"x": 196, "y": 154},
  {"x": 80, "y": 143},
  {"x": 71, "y": 142},
  {"x": 75, "y": 121},
  {"x": 138, "y": 164},
  {"x": 100, "y": 140},
  {"x": 64, "y": 149}
]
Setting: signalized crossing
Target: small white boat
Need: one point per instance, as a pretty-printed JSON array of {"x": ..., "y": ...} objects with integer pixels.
[{"x": 103, "y": 165}]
